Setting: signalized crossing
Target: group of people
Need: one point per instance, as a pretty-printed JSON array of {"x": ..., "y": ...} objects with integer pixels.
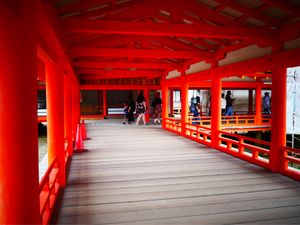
[
  {"x": 140, "y": 107},
  {"x": 226, "y": 105}
]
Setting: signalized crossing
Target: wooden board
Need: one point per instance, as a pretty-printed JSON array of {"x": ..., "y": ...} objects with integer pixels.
[{"x": 145, "y": 175}]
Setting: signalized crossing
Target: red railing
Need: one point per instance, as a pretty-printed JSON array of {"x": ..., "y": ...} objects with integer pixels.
[
  {"x": 173, "y": 125},
  {"x": 198, "y": 133},
  {"x": 232, "y": 121},
  {"x": 48, "y": 190},
  {"x": 252, "y": 150},
  {"x": 291, "y": 162}
]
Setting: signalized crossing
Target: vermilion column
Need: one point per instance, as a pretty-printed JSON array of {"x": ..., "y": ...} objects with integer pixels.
[
  {"x": 171, "y": 102},
  {"x": 147, "y": 98},
  {"x": 184, "y": 106},
  {"x": 258, "y": 102},
  {"x": 55, "y": 118},
  {"x": 165, "y": 101},
  {"x": 104, "y": 103},
  {"x": 278, "y": 127},
  {"x": 216, "y": 91},
  {"x": 19, "y": 182},
  {"x": 68, "y": 111},
  {"x": 250, "y": 102}
]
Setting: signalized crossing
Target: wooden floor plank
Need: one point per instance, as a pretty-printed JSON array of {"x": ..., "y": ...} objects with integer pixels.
[{"x": 145, "y": 175}]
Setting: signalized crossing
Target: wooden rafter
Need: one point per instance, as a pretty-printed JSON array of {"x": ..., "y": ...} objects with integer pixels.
[{"x": 155, "y": 29}]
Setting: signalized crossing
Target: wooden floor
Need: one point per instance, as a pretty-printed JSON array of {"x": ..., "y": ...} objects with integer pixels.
[{"x": 145, "y": 175}]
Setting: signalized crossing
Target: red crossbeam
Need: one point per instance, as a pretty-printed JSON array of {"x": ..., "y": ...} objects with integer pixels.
[
  {"x": 164, "y": 29},
  {"x": 79, "y": 52},
  {"x": 92, "y": 74},
  {"x": 122, "y": 65}
]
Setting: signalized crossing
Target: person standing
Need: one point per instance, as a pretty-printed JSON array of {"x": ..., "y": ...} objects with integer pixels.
[
  {"x": 156, "y": 104},
  {"x": 229, "y": 101},
  {"x": 140, "y": 108},
  {"x": 266, "y": 104}
]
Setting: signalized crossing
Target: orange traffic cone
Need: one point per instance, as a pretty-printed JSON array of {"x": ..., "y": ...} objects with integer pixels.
[
  {"x": 79, "y": 142},
  {"x": 83, "y": 130}
]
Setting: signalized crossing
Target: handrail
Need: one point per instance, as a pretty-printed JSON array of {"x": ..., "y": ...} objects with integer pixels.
[
  {"x": 230, "y": 121},
  {"x": 250, "y": 149},
  {"x": 291, "y": 162},
  {"x": 48, "y": 191}
]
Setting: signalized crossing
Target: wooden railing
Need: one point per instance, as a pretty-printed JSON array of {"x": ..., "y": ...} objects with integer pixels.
[
  {"x": 252, "y": 150},
  {"x": 173, "y": 125},
  {"x": 291, "y": 162},
  {"x": 198, "y": 133},
  {"x": 48, "y": 190},
  {"x": 231, "y": 121}
]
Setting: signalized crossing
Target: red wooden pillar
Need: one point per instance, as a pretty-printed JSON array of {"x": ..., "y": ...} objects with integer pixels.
[
  {"x": 278, "y": 126},
  {"x": 216, "y": 91},
  {"x": 68, "y": 111},
  {"x": 55, "y": 118},
  {"x": 165, "y": 101},
  {"x": 74, "y": 123},
  {"x": 19, "y": 182},
  {"x": 171, "y": 102},
  {"x": 184, "y": 106},
  {"x": 258, "y": 103},
  {"x": 147, "y": 98},
  {"x": 250, "y": 102},
  {"x": 104, "y": 103}
]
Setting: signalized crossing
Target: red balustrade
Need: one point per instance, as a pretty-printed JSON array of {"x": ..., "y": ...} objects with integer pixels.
[
  {"x": 49, "y": 189},
  {"x": 291, "y": 162}
]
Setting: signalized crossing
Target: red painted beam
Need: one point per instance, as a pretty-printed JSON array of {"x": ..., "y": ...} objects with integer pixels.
[
  {"x": 122, "y": 65},
  {"x": 79, "y": 52},
  {"x": 164, "y": 29},
  {"x": 93, "y": 74},
  {"x": 117, "y": 87}
]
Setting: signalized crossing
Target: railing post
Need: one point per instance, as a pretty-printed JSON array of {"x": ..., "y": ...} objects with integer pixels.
[
  {"x": 184, "y": 106},
  {"x": 19, "y": 182}
]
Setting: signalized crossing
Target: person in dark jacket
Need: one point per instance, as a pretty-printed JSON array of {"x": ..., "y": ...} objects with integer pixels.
[
  {"x": 229, "y": 101},
  {"x": 156, "y": 104},
  {"x": 131, "y": 108}
]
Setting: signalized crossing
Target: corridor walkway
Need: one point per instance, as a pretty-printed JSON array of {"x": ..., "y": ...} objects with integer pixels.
[{"x": 145, "y": 175}]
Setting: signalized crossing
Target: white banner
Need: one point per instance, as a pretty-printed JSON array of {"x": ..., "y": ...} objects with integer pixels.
[
  {"x": 293, "y": 101},
  {"x": 297, "y": 102}
]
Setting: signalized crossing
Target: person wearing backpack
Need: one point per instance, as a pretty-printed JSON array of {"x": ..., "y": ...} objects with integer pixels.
[{"x": 140, "y": 108}]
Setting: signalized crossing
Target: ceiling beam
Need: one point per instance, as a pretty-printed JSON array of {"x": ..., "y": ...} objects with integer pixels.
[
  {"x": 161, "y": 53},
  {"x": 92, "y": 74},
  {"x": 159, "y": 29},
  {"x": 122, "y": 65}
]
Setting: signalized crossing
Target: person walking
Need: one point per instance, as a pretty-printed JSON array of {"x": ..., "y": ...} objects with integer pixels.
[
  {"x": 229, "y": 101},
  {"x": 266, "y": 104},
  {"x": 140, "y": 108}
]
